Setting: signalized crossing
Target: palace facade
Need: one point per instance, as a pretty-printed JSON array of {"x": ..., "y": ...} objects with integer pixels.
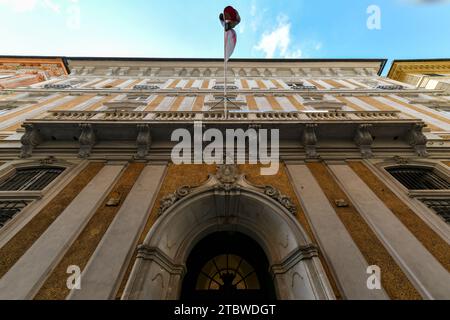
[{"x": 359, "y": 208}]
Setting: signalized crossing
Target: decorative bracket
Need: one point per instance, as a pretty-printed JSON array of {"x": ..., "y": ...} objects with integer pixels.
[
  {"x": 169, "y": 200},
  {"x": 418, "y": 140},
  {"x": 144, "y": 141},
  {"x": 282, "y": 199},
  {"x": 87, "y": 140},
  {"x": 364, "y": 140},
  {"x": 310, "y": 141},
  {"x": 31, "y": 139}
]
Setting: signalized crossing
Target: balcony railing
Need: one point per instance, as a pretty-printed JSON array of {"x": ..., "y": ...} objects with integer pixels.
[{"x": 144, "y": 116}]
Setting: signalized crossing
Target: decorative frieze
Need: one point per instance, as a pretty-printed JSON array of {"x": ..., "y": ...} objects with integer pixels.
[
  {"x": 227, "y": 180},
  {"x": 168, "y": 201},
  {"x": 281, "y": 198}
]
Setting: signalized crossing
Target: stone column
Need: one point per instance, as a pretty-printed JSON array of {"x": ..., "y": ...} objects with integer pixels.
[
  {"x": 429, "y": 277},
  {"x": 26, "y": 277},
  {"x": 339, "y": 249},
  {"x": 103, "y": 274}
]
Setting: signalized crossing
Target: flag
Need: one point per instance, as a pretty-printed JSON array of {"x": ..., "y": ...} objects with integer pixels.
[
  {"x": 230, "y": 43},
  {"x": 230, "y": 19}
]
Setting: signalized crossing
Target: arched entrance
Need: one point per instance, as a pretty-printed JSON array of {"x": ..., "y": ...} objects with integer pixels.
[
  {"x": 226, "y": 203},
  {"x": 227, "y": 266}
]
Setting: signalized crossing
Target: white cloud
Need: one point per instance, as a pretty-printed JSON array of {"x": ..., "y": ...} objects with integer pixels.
[
  {"x": 276, "y": 41},
  {"x": 52, "y": 6},
  {"x": 29, "y": 5}
]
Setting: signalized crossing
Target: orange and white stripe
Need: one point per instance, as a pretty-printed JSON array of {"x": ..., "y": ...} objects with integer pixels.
[
  {"x": 13, "y": 120},
  {"x": 103, "y": 83},
  {"x": 85, "y": 105},
  {"x": 91, "y": 83},
  {"x": 165, "y": 103},
  {"x": 358, "y": 84},
  {"x": 435, "y": 123},
  {"x": 97, "y": 106},
  {"x": 358, "y": 104}
]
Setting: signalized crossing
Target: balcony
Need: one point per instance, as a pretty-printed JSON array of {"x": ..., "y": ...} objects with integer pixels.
[
  {"x": 155, "y": 116},
  {"x": 113, "y": 132}
]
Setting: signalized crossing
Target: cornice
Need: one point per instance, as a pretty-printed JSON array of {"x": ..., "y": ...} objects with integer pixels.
[
  {"x": 38, "y": 63},
  {"x": 339, "y": 92},
  {"x": 417, "y": 66}
]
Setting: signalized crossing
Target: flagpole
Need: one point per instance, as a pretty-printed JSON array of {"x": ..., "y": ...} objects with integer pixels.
[{"x": 225, "y": 72}]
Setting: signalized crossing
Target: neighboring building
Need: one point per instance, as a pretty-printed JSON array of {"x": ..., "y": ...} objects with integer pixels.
[
  {"x": 86, "y": 181},
  {"x": 20, "y": 72},
  {"x": 429, "y": 74}
]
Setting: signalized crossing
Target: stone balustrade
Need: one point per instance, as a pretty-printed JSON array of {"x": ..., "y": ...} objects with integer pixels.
[{"x": 151, "y": 116}]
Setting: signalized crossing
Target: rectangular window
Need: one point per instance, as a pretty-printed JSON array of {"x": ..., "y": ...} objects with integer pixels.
[
  {"x": 30, "y": 179},
  {"x": 8, "y": 209},
  {"x": 440, "y": 206},
  {"x": 416, "y": 178}
]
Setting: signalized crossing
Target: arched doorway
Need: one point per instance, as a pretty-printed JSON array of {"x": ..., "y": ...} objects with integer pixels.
[
  {"x": 227, "y": 266},
  {"x": 227, "y": 203}
]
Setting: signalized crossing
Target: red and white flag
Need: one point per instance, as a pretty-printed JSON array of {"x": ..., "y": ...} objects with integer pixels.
[
  {"x": 230, "y": 19},
  {"x": 230, "y": 43}
]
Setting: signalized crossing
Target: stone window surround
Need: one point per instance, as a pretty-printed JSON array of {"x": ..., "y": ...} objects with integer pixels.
[
  {"x": 413, "y": 198},
  {"x": 33, "y": 207}
]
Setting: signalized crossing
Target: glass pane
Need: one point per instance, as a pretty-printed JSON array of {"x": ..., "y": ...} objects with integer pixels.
[{"x": 228, "y": 272}]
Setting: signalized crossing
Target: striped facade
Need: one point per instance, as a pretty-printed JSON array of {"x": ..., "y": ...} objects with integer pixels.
[{"x": 131, "y": 220}]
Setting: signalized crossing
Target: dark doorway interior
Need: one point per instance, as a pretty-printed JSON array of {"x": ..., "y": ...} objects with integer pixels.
[{"x": 227, "y": 266}]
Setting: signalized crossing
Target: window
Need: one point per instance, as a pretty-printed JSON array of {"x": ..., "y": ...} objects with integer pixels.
[
  {"x": 440, "y": 206},
  {"x": 301, "y": 86},
  {"x": 228, "y": 273},
  {"x": 8, "y": 209},
  {"x": 419, "y": 178},
  {"x": 219, "y": 97},
  {"x": 222, "y": 87},
  {"x": 30, "y": 179},
  {"x": 58, "y": 86},
  {"x": 136, "y": 97},
  {"x": 312, "y": 98},
  {"x": 390, "y": 87},
  {"x": 427, "y": 185},
  {"x": 145, "y": 87}
]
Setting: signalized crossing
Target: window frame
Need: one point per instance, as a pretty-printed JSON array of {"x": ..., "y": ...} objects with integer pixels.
[
  {"x": 31, "y": 197},
  {"x": 12, "y": 218},
  {"x": 435, "y": 169},
  {"x": 420, "y": 196},
  {"x": 14, "y": 169}
]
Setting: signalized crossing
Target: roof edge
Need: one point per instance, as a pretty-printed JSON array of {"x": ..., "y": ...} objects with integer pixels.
[
  {"x": 394, "y": 62},
  {"x": 66, "y": 60}
]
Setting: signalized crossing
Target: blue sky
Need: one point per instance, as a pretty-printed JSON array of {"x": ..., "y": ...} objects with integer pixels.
[{"x": 269, "y": 28}]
